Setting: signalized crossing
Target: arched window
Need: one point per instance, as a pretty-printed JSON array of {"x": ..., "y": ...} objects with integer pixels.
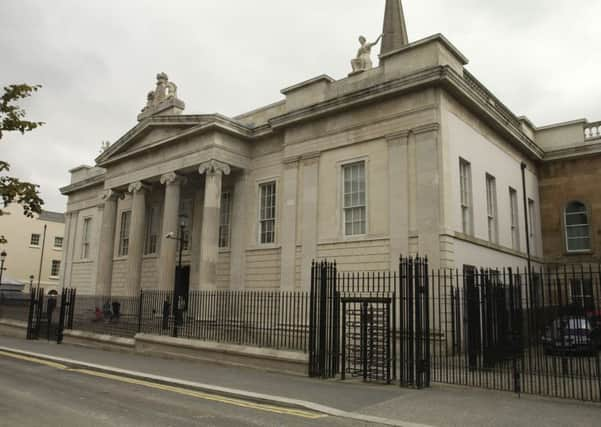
[{"x": 577, "y": 228}]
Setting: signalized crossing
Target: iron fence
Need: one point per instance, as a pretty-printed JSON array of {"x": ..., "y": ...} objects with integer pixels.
[
  {"x": 536, "y": 332},
  {"x": 271, "y": 319}
]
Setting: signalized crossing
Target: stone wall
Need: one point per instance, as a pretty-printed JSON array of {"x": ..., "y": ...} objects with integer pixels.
[{"x": 561, "y": 182}]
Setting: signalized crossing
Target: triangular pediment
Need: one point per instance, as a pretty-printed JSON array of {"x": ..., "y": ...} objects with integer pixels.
[{"x": 145, "y": 135}]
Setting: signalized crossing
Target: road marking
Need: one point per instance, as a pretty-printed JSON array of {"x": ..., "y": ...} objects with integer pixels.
[
  {"x": 205, "y": 396},
  {"x": 179, "y": 390},
  {"x": 34, "y": 360}
]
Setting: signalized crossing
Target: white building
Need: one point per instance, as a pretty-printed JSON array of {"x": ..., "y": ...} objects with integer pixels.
[{"x": 412, "y": 156}]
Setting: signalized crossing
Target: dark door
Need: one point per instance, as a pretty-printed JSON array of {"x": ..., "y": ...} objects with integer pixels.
[{"x": 182, "y": 288}]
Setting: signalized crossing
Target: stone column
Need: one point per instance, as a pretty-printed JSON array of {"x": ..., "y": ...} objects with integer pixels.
[
  {"x": 288, "y": 228},
  {"x": 106, "y": 244},
  {"x": 209, "y": 246},
  {"x": 195, "y": 238},
  {"x": 398, "y": 197},
  {"x": 168, "y": 247},
  {"x": 136, "y": 237},
  {"x": 310, "y": 183},
  {"x": 239, "y": 236}
]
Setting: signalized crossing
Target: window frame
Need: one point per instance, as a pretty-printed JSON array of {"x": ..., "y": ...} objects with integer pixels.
[
  {"x": 532, "y": 224},
  {"x": 123, "y": 248},
  {"x": 186, "y": 215},
  {"x": 514, "y": 219},
  {"x": 492, "y": 208},
  {"x": 58, "y": 272},
  {"x": 62, "y": 240},
  {"x": 586, "y": 211},
  {"x": 39, "y": 237},
  {"x": 466, "y": 197},
  {"x": 85, "y": 237},
  {"x": 365, "y": 206},
  {"x": 225, "y": 227},
  {"x": 152, "y": 230},
  {"x": 261, "y": 219}
]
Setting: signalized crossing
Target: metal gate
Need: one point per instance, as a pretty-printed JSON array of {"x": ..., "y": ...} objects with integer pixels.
[
  {"x": 367, "y": 342},
  {"x": 372, "y": 332},
  {"x": 49, "y": 316}
]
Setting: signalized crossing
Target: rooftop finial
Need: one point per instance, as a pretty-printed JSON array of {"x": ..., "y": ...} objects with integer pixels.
[{"x": 395, "y": 28}]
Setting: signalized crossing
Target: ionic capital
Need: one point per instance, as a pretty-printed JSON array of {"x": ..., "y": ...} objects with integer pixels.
[
  {"x": 136, "y": 187},
  {"x": 214, "y": 167},
  {"x": 172, "y": 178}
]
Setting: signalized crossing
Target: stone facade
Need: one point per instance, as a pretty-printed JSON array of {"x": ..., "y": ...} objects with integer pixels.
[
  {"x": 570, "y": 175},
  {"x": 25, "y": 246},
  {"x": 395, "y": 159}
]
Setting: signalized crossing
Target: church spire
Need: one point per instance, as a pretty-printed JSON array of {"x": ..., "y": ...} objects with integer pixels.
[{"x": 395, "y": 28}]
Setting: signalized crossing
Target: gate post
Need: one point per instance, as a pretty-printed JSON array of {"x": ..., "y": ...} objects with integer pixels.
[
  {"x": 61, "y": 319},
  {"x": 32, "y": 307}
]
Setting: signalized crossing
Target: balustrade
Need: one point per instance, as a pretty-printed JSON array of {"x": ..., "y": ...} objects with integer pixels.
[{"x": 592, "y": 131}]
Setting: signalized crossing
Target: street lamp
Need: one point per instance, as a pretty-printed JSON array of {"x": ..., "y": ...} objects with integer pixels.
[
  {"x": 30, "y": 283},
  {"x": 2, "y": 268},
  {"x": 179, "y": 301}
]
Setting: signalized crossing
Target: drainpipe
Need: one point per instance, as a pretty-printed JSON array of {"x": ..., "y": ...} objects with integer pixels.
[{"x": 526, "y": 220}]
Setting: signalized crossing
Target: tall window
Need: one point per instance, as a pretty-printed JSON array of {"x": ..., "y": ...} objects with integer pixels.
[
  {"x": 58, "y": 242},
  {"x": 465, "y": 185},
  {"x": 577, "y": 228},
  {"x": 124, "y": 233},
  {"x": 34, "y": 240},
  {"x": 582, "y": 293},
  {"x": 85, "y": 238},
  {"x": 224, "y": 220},
  {"x": 55, "y": 268},
  {"x": 153, "y": 225},
  {"x": 531, "y": 225},
  {"x": 515, "y": 228},
  {"x": 267, "y": 212},
  {"x": 355, "y": 201},
  {"x": 491, "y": 208},
  {"x": 185, "y": 214}
]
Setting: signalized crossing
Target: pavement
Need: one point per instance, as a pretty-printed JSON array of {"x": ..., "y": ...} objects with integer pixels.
[{"x": 338, "y": 402}]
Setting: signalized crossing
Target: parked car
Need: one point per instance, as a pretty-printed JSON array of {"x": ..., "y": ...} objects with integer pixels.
[{"x": 572, "y": 335}]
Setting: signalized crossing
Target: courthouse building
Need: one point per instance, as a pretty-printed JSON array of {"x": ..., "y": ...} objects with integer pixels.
[{"x": 413, "y": 155}]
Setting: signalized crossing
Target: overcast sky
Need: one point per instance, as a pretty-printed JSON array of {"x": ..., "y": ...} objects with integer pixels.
[{"x": 98, "y": 59}]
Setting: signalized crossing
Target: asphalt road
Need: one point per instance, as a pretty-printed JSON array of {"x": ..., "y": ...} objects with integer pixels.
[{"x": 35, "y": 394}]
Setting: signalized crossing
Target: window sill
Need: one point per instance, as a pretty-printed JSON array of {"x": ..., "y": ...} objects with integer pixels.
[
  {"x": 83, "y": 261},
  {"x": 34, "y": 246},
  {"x": 224, "y": 250},
  {"x": 357, "y": 238},
  {"x": 149, "y": 256},
  {"x": 264, "y": 247},
  {"x": 57, "y": 249},
  {"x": 576, "y": 253},
  {"x": 53, "y": 277}
]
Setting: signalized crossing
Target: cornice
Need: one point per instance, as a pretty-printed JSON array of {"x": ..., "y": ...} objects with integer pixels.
[
  {"x": 90, "y": 182},
  {"x": 573, "y": 152},
  {"x": 460, "y": 87},
  {"x": 363, "y": 96},
  {"x": 213, "y": 122}
]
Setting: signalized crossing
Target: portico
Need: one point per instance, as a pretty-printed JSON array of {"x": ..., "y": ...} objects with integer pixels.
[{"x": 202, "y": 227}]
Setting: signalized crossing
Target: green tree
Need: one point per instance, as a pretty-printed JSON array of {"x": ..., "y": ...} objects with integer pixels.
[{"x": 12, "y": 119}]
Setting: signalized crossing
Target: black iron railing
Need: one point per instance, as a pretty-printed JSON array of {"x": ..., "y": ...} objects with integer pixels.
[{"x": 270, "y": 319}]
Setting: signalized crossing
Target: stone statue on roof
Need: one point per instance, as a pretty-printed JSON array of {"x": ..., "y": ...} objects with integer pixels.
[
  {"x": 164, "y": 91},
  {"x": 363, "y": 60}
]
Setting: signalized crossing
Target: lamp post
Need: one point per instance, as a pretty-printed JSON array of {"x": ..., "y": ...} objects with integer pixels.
[
  {"x": 30, "y": 283},
  {"x": 178, "y": 300},
  {"x": 2, "y": 268}
]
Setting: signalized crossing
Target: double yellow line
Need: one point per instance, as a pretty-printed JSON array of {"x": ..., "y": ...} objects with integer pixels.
[{"x": 173, "y": 389}]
